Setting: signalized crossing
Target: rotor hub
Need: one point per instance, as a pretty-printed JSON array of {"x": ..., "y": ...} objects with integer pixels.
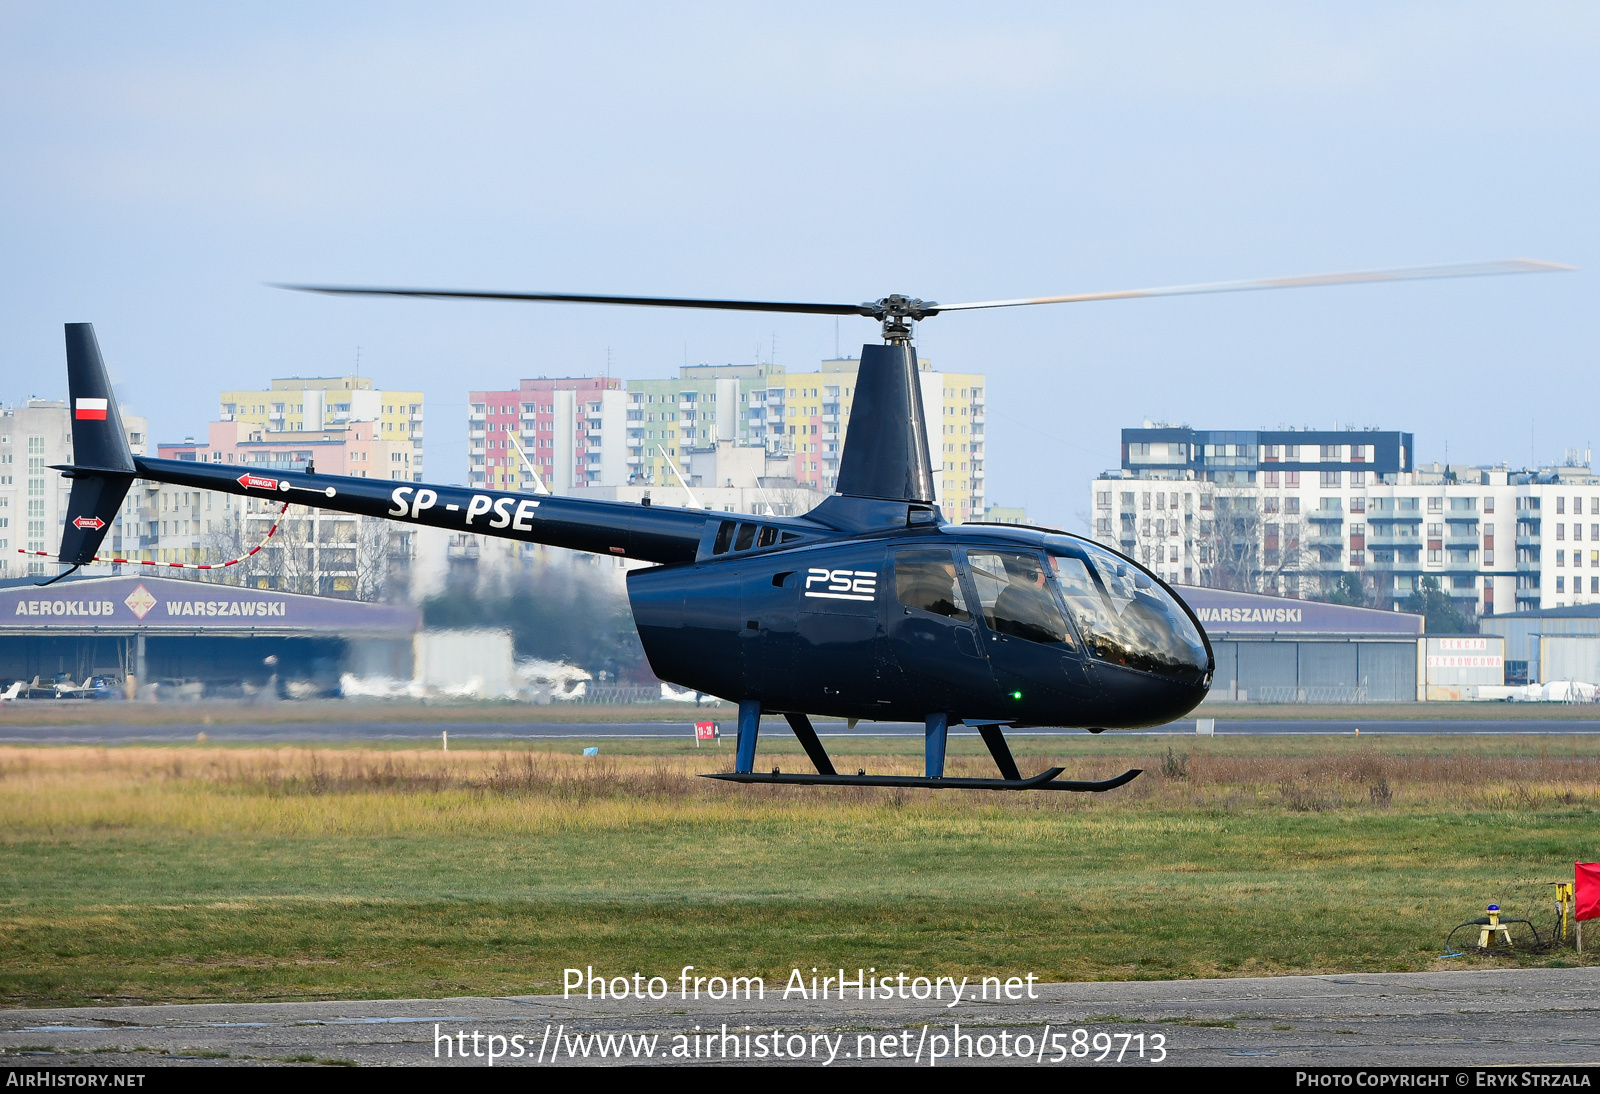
[{"x": 898, "y": 312}]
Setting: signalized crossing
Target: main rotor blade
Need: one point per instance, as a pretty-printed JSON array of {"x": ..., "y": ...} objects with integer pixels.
[
  {"x": 575, "y": 298},
  {"x": 1410, "y": 273}
]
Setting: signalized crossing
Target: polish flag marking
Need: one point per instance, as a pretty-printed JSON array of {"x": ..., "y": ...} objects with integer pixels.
[{"x": 90, "y": 410}]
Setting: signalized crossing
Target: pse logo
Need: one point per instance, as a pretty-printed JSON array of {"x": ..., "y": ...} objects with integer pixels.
[{"x": 842, "y": 584}]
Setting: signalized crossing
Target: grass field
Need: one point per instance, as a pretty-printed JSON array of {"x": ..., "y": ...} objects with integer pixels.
[{"x": 202, "y": 873}]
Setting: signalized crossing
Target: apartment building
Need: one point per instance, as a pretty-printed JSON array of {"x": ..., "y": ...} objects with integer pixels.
[
  {"x": 813, "y": 414},
  {"x": 562, "y": 425},
  {"x": 359, "y": 449},
  {"x": 672, "y": 419},
  {"x": 648, "y": 433},
  {"x": 586, "y": 432},
  {"x": 308, "y": 406},
  {"x": 33, "y": 498},
  {"x": 1291, "y": 512}
]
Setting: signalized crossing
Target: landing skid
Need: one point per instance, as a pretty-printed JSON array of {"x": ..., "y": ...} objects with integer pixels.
[
  {"x": 1045, "y": 780},
  {"x": 936, "y": 726}
]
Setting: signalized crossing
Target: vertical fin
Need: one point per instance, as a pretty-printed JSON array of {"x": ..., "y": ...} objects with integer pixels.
[
  {"x": 886, "y": 448},
  {"x": 98, "y": 440},
  {"x": 102, "y": 461}
]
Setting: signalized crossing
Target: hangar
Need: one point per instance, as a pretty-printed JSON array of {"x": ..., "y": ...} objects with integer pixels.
[
  {"x": 165, "y": 629},
  {"x": 1272, "y": 649},
  {"x": 1549, "y": 644}
]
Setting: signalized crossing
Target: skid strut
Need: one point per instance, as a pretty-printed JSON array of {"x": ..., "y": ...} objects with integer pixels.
[{"x": 813, "y": 746}]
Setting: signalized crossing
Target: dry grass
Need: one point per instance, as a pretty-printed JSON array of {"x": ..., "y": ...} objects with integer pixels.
[{"x": 61, "y": 788}]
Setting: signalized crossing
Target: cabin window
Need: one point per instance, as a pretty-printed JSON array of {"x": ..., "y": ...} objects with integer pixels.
[
  {"x": 769, "y": 536},
  {"x": 747, "y": 537},
  {"x": 724, "y": 538},
  {"x": 1015, "y": 597},
  {"x": 926, "y": 580}
]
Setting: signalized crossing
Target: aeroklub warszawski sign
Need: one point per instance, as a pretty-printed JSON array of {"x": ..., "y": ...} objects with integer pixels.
[{"x": 153, "y": 603}]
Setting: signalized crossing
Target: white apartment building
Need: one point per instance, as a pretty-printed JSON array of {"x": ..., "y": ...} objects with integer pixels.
[
  {"x": 1291, "y": 512},
  {"x": 33, "y": 498}
]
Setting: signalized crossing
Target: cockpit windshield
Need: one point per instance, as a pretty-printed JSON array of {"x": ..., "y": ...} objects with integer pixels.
[{"x": 1126, "y": 618}]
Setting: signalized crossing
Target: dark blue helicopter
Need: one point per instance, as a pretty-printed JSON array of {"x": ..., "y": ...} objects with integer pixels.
[{"x": 870, "y": 606}]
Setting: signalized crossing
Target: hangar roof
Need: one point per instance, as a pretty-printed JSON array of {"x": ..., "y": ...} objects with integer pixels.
[
  {"x": 1574, "y": 611},
  {"x": 125, "y": 605}
]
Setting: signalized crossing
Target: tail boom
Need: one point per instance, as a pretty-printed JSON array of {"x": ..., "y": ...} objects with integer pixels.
[{"x": 620, "y": 529}]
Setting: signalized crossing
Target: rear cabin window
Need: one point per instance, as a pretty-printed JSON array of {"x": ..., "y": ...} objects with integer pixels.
[
  {"x": 747, "y": 537},
  {"x": 926, "y": 580}
]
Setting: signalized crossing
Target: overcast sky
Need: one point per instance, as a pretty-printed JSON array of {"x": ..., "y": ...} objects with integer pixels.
[{"x": 158, "y": 164}]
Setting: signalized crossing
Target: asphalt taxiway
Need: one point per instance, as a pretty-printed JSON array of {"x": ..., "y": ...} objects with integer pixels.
[
  {"x": 1456, "y": 1020},
  {"x": 336, "y": 731}
]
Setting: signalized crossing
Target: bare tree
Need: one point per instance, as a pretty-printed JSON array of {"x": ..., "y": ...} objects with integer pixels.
[
  {"x": 792, "y": 501},
  {"x": 1248, "y": 550},
  {"x": 373, "y": 549},
  {"x": 1281, "y": 554},
  {"x": 226, "y": 541},
  {"x": 1236, "y": 536},
  {"x": 289, "y": 554}
]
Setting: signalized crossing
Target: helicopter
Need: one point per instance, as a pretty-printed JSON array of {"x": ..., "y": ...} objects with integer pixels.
[{"x": 871, "y": 606}]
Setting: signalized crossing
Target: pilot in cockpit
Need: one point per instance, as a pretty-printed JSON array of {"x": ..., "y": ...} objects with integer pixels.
[{"x": 1025, "y": 608}]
